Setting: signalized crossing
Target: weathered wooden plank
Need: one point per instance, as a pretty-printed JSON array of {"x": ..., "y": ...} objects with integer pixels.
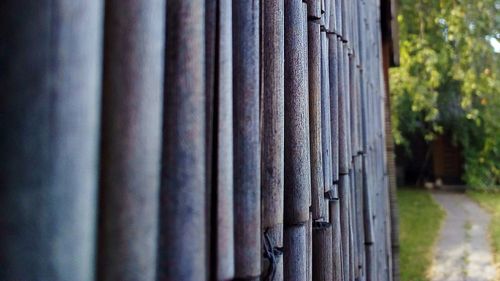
[
  {"x": 352, "y": 143},
  {"x": 317, "y": 181},
  {"x": 273, "y": 138},
  {"x": 326, "y": 118},
  {"x": 246, "y": 139},
  {"x": 342, "y": 113},
  {"x": 338, "y": 17},
  {"x": 297, "y": 159},
  {"x": 182, "y": 243},
  {"x": 344, "y": 225},
  {"x": 345, "y": 20},
  {"x": 211, "y": 206},
  {"x": 358, "y": 218},
  {"x": 332, "y": 28},
  {"x": 295, "y": 253},
  {"x": 131, "y": 138},
  {"x": 224, "y": 177},
  {"x": 347, "y": 105},
  {"x": 314, "y": 9},
  {"x": 352, "y": 228},
  {"x": 273, "y": 116},
  {"x": 325, "y": 18},
  {"x": 337, "y": 255},
  {"x": 333, "y": 64},
  {"x": 309, "y": 253},
  {"x": 322, "y": 252},
  {"x": 50, "y": 101},
  {"x": 353, "y": 107}
]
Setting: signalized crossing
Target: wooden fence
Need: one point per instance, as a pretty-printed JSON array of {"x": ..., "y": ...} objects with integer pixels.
[{"x": 193, "y": 140}]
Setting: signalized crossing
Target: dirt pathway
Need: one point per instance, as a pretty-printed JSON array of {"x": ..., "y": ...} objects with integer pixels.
[{"x": 463, "y": 250}]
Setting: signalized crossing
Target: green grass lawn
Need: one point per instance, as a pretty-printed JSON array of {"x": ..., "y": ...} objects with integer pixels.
[
  {"x": 491, "y": 202},
  {"x": 420, "y": 221}
]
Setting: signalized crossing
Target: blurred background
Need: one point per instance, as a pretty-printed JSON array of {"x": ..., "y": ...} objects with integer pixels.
[{"x": 445, "y": 114}]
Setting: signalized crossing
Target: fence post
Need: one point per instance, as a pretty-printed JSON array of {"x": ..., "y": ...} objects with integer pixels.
[
  {"x": 182, "y": 242},
  {"x": 131, "y": 139},
  {"x": 246, "y": 140},
  {"x": 49, "y": 103}
]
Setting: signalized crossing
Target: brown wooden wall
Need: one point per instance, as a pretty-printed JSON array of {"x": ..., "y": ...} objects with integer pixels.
[
  {"x": 193, "y": 140},
  {"x": 447, "y": 161}
]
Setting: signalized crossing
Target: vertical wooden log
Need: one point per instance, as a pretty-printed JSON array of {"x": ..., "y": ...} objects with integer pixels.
[
  {"x": 326, "y": 136},
  {"x": 211, "y": 208},
  {"x": 223, "y": 116},
  {"x": 273, "y": 138},
  {"x": 359, "y": 215},
  {"x": 314, "y": 9},
  {"x": 359, "y": 176},
  {"x": 344, "y": 227},
  {"x": 345, "y": 188},
  {"x": 325, "y": 19},
  {"x": 309, "y": 253},
  {"x": 342, "y": 164},
  {"x": 322, "y": 249},
  {"x": 325, "y": 116},
  {"x": 353, "y": 107},
  {"x": 347, "y": 105},
  {"x": 305, "y": 68},
  {"x": 305, "y": 62},
  {"x": 295, "y": 255},
  {"x": 182, "y": 245},
  {"x": 246, "y": 139},
  {"x": 49, "y": 100},
  {"x": 353, "y": 154},
  {"x": 367, "y": 208},
  {"x": 345, "y": 24},
  {"x": 332, "y": 28},
  {"x": 336, "y": 239},
  {"x": 131, "y": 135},
  {"x": 333, "y": 64},
  {"x": 342, "y": 113},
  {"x": 338, "y": 17},
  {"x": 297, "y": 165},
  {"x": 273, "y": 116},
  {"x": 315, "y": 82},
  {"x": 352, "y": 229},
  {"x": 370, "y": 270}
]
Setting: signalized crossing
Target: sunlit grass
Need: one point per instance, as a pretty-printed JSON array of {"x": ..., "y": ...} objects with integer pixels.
[
  {"x": 491, "y": 202},
  {"x": 420, "y": 221}
]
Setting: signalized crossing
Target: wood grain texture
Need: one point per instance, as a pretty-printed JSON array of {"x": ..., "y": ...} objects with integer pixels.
[
  {"x": 247, "y": 182},
  {"x": 273, "y": 114},
  {"x": 297, "y": 158},
  {"x": 295, "y": 253},
  {"x": 337, "y": 254},
  {"x": 342, "y": 113},
  {"x": 182, "y": 249},
  {"x": 131, "y": 139},
  {"x": 224, "y": 177},
  {"x": 315, "y": 133},
  {"x": 322, "y": 252}
]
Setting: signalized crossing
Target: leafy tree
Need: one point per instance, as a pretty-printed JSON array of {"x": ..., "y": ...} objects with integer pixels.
[{"x": 448, "y": 80}]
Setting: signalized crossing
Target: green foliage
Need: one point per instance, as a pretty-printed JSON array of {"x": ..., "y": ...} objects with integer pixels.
[
  {"x": 448, "y": 81},
  {"x": 420, "y": 220}
]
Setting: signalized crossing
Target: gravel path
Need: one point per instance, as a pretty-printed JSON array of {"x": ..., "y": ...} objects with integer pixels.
[{"x": 463, "y": 250}]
